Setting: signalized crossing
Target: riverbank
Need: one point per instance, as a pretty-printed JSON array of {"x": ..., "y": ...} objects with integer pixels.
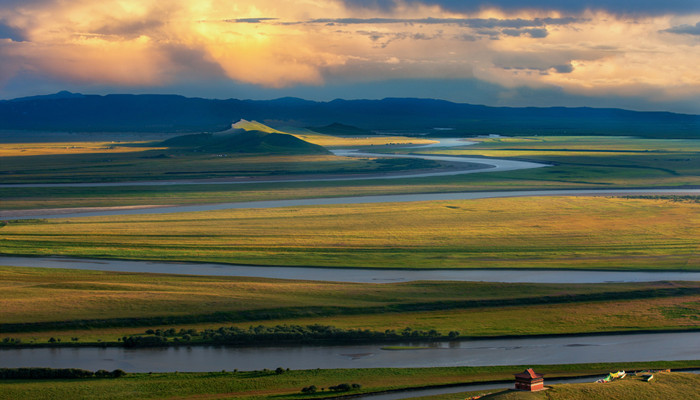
[
  {"x": 485, "y": 352},
  {"x": 287, "y": 384},
  {"x": 93, "y": 306},
  {"x": 421, "y": 340}
]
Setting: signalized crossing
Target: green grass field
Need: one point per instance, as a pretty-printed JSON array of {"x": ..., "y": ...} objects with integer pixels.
[
  {"x": 37, "y": 304},
  {"x": 288, "y": 385},
  {"x": 125, "y": 164},
  {"x": 576, "y": 233},
  {"x": 109, "y": 161},
  {"x": 579, "y": 162},
  {"x": 550, "y": 232},
  {"x": 664, "y": 385},
  {"x": 591, "y": 160}
]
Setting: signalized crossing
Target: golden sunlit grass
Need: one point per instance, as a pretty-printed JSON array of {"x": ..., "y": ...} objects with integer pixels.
[
  {"x": 603, "y": 316},
  {"x": 269, "y": 385},
  {"x": 606, "y": 163},
  {"x": 110, "y": 161},
  {"x": 354, "y": 141},
  {"x": 589, "y": 143},
  {"x": 547, "y": 232},
  {"x": 71, "y": 148},
  {"x": 44, "y": 296},
  {"x": 665, "y": 385},
  {"x": 38, "y": 294}
]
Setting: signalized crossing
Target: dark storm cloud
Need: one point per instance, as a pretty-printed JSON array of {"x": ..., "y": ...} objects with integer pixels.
[
  {"x": 534, "y": 33},
  {"x": 250, "y": 20},
  {"x": 488, "y": 23},
  {"x": 14, "y": 3},
  {"x": 564, "y": 69},
  {"x": 542, "y": 61},
  {"x": 12, "y": 33},
  {"x": 685, "y": 29},
  {"x": 643, "y": 7},
  {"x": 384, "y": 39}
]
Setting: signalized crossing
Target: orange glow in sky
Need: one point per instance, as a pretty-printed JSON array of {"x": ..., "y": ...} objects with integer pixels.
[{"x": 285, "y": 44}]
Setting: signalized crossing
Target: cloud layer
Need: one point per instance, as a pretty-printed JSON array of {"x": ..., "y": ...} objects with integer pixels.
[
  {"x": 623, "y": 49},
  {"x": 635, "y": 7}
]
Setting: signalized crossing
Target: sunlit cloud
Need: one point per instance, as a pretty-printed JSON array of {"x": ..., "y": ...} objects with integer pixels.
[{"x": 589, "y": 48}]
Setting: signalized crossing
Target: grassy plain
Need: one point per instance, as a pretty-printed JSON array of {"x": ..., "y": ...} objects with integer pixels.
[
  {"x": 665, "y": 385},
  {"x": 601, "y": 161},
  {"x": 108, "y": 161},
  {"x": 96, "y": 306},
  {"x": 580, "y": 162},
  {"x": 268, "y": 385},
  {"x": 117, "y": 164},
  {"x": 550, "y": 232}
]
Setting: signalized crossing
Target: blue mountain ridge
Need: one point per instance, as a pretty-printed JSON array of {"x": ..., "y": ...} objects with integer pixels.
[{"x": 65, "y": 111}]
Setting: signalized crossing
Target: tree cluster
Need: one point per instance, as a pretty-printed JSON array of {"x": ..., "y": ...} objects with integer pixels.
[
  {"x": 57, "y": 373},
  {"x": 278, "y": 334}
]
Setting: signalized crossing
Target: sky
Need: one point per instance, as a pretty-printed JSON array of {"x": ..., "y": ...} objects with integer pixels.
[{"x": 635, "y": 54}]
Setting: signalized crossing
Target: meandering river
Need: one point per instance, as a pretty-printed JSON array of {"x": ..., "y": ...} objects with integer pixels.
[
  {"x": 358, "y": 275},
  {"x": 555, "y": 350},
  {"x": 550, "y": 350},
  {"x": 399, "y": 198},
  {"x": 469, "y": 165}
]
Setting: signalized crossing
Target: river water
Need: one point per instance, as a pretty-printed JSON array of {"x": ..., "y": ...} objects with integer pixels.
[
  {"x": 552, "y": 350},
  {"x": 357, "y": 275},
  {"x": 399, "y": 198},
  {"x": 574, "y": 349},
  {"x": 484, "y": 165}
]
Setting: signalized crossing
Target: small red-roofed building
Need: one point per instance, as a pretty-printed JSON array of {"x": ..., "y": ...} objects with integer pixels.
[{"x": 529, "y": 380}]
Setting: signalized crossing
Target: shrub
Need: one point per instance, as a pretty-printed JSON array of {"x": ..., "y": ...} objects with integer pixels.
[
  {"x": 102, "y": 373},
  {"x": 309, "y": 389},
  {"x": 44, "y": 373},
  {"x": 343, "y": 387},
  {"x": 117, "y": 373}
]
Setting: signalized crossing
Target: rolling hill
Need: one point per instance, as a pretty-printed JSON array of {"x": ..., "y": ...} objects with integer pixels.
[{"x": 245, "y": 137}]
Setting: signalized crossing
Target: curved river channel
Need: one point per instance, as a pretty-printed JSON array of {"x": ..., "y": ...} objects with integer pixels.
[
  {"x": 552, "y": 350},
  {"x": 357, "y": 275}
]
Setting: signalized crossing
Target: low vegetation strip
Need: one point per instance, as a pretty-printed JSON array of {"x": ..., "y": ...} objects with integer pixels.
[
  {"x": 280, "y": 334},
  {"x": 327, "y": 311},
  {"x": 57, "y": 373},
  {"x": 281, "y": 384}
]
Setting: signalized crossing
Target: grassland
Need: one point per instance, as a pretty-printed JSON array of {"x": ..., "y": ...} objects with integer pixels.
[
  {"x": 269, "y": 385},
  {"x": 665, "y": 385},
  {"x": 580, "y": 233},
  {"x": 38, "y": 304},
  {"x": 580, "y": 162},
  {"x": 553, "y": 232},
  {"x": 587, "y": 161},
  {"x": 107, "y": 162}
]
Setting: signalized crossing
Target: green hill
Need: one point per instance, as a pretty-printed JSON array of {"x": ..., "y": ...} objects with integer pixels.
[
  {"x": 245, "y": 137},
  {"x": 664, "y": 385},
  {"x": 254, "y": 126}
]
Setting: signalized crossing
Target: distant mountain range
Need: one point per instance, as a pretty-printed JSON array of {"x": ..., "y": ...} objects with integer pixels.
[{"x": 67, "y": 111}]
